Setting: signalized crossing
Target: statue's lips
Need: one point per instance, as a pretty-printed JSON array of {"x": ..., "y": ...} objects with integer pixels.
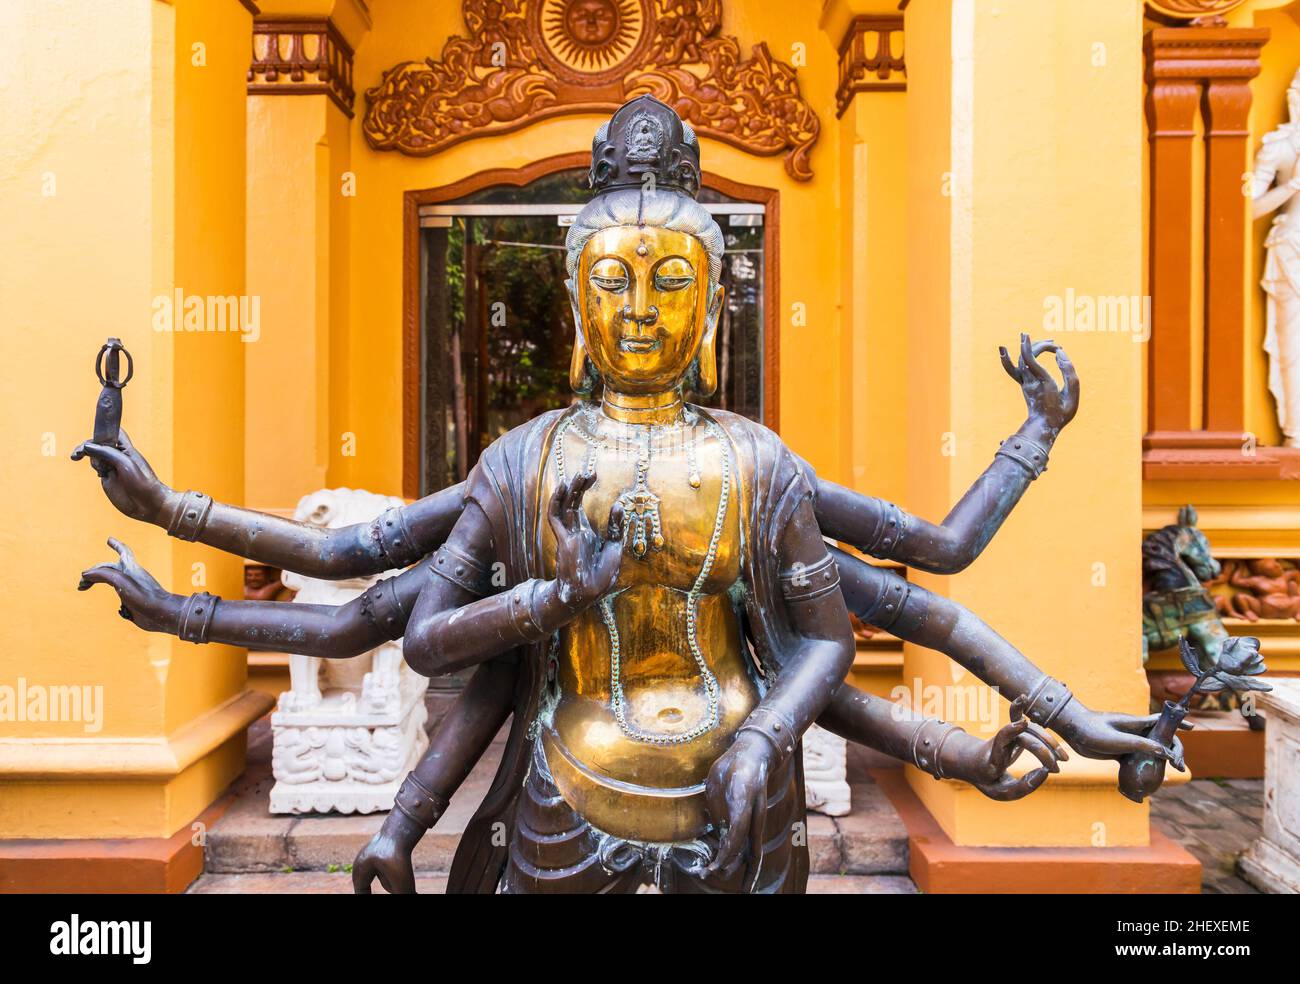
[{"x": 639, "y": 344}]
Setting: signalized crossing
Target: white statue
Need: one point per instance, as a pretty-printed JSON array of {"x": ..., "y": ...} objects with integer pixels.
[
  {"x": 1276, "y": 181},
  {"x": 825, "y": 771},
  {"x": 346, "y": 731}
]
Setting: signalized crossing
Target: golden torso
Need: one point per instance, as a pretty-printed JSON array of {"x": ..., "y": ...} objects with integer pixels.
[{"x": 645, "y": 706}]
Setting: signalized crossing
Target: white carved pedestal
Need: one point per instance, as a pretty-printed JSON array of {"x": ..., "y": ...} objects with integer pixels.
[
  {"x": 347, "y": 732},
  {"x": 1273, "y": 862},
  {"x": 825, "y": 771}
]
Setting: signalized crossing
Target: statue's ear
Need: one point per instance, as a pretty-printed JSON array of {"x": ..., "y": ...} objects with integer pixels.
[
  {"x": 1187, "y": 515},
  {"x": 706, "y": 376},
  {"x": 582, "y": 372}
]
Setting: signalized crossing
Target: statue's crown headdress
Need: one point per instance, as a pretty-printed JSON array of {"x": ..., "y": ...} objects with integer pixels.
[{"x": 645, "y": 137}]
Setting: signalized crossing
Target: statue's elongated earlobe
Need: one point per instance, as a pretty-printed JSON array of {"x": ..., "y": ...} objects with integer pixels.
[
  {"x": 706, "y": 368},
  {"x": 582, "y": 372}
]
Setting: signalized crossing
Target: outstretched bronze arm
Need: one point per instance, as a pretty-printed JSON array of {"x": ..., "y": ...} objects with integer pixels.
[
  {"x": 395, "y": 539},
  {"x": 327, "y": 631},
  {"x": 880, "y": 529},
  {"x": 883, "y": 599}
]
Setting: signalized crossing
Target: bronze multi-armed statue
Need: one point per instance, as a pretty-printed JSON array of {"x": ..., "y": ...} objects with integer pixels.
[{"x": 643, "y": 584}]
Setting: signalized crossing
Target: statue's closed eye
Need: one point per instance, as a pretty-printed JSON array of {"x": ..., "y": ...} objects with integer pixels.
[
  {"x": 674, "y": 273},
  {"x": 609, "y": 274}
]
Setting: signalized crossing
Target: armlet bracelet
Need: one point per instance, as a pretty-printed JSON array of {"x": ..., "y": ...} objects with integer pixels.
[
  {"x": 191, "y": 516},
  {"x": 390, "y": 532},
  {"x": 382, "y": 608},
  {"x": 523, "y": 615},
  {"x": 196, "y": 617},
  {"x": 419, "y": 802},
  {"x": 809, "y": 582},
  {"x": 927, "y": 746},
  {"x": 775, "y": 727},
  {"x": 1047, "y": 700},
  {"x": 1028, "y": 454},
  {"x": 462, "y": 570}
]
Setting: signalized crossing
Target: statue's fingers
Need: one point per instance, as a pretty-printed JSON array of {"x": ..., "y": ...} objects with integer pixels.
[
  {"x": 1018, "y": 707},
  {"x": 1007, "y": 364},
  {"x": 1057, "y": 746},
  {"x": 1070, "y": 376},
  {"x": 362, "y": 874},
  {"x": 555, "y": 510},
  {"x": 1176, "y": 754},
  {"x": 101, "y": 453},
  {"x": 732, "y": 848},
  {"x": 1029, "y": 363},
  {"x": 125, "y": 552},
  {"x": 757, "y": 837},
  {"x": 109, "y": 574},
  {"x": 614, "y": 528},
  {"x": 1019, "y": 788},
  {"x": 1038, "y": 748},
  {"x": 1044, "y": 345},
  {"x": 1006, "y": 744}
]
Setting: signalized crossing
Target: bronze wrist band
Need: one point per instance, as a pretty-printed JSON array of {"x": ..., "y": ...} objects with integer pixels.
[
  {"x": 396, "y": 544},
  {"x": 418, "y": 802},
  {"x": 196, "y": 617},
  {"x": 927, "y": 744},
  {"x": 891, "y": 524},
  {"x": 382, "y": 608},
  {"x": 462, "y": 570},
  {"x": 523, "y": 614},
  {"x": 1046, "y": 701},
  {"x": 889, "y": 603},
  {"x": 807, "y": 583},
  {"x": 775, "y": 727},
  {"x": 1030, "y": 455},
  {"x": 191, "y": 516}
]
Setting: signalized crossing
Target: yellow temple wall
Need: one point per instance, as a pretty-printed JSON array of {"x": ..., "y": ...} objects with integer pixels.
[{"x": 122, "y": 181}]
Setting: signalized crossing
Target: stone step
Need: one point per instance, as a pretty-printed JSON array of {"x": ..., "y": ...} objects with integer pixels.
[
  {"x": 870, "y": 841},
  {"x": 340, "y": 883}
]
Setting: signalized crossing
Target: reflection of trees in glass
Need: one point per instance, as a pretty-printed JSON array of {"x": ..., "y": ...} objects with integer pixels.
[{"x": 529, "y": 327}]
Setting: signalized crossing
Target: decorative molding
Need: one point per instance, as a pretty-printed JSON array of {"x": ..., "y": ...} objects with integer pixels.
[
  {"x": 250, "y": 6},
  {"x": 527, "y": 60},
  {"x": 1183, "y": 11},
  {"x": 1199, "y": 74},
  {"x": 302, "y": 57},
  {"x": 871, "y": 58}
]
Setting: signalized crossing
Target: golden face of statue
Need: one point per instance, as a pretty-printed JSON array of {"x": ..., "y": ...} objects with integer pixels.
[{"x": 643, "y": 297}]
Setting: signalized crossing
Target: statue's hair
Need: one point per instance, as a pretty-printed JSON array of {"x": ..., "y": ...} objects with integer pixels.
[{"x": 665, "y": 209}]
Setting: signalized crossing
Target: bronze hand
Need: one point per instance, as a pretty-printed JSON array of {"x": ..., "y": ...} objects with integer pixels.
[
  {"x": 586, "y": 564},
  {"x": 128, "y": 480},
  {"x": 144, "y": 601}
]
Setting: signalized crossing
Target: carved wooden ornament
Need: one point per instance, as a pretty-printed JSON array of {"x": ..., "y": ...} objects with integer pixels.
[{"x": 526, "y": 60}]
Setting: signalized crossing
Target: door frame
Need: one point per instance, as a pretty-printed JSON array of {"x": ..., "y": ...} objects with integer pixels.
[{"x": 769, "y": 198}]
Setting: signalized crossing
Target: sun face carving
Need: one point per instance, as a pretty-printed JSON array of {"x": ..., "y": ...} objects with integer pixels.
[{"x": 591, "y": 37}]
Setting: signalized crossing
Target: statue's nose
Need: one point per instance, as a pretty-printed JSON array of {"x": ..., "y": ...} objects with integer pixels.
[{"x": 650, "y": 317}]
